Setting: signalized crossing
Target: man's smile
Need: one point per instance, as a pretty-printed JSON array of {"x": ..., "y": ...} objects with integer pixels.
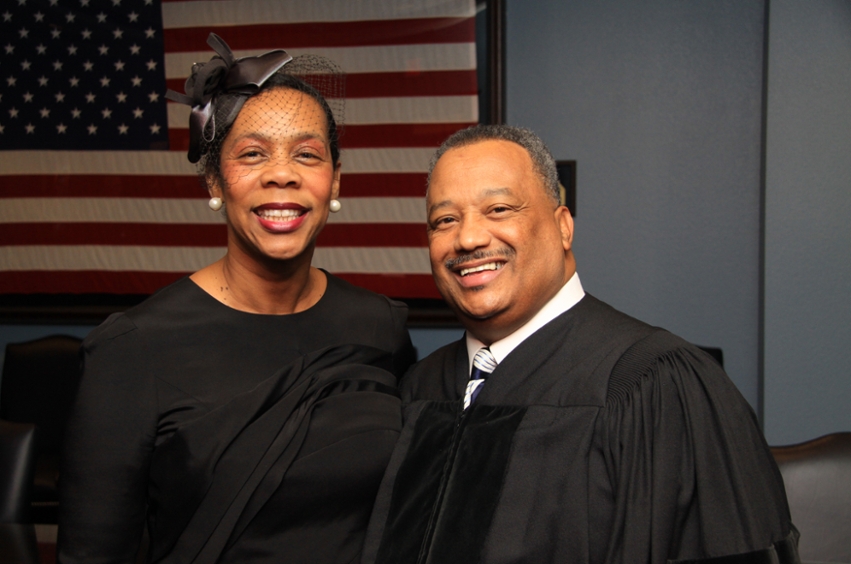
[{"x": 486, "y": 266}]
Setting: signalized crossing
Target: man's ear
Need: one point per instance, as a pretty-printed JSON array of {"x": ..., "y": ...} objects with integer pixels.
[{"x": 565, "y": 225}]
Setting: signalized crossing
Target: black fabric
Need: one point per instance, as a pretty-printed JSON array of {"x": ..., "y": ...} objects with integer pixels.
[
  {"x": 418, "y": 483},
  {"x": 259, "y": 437},
  {"x": 781, "y": 551},
  {"x": 661, "y": 461},
  {"x": 461, "y": 481},
  {"x": 473, "y": 481}
]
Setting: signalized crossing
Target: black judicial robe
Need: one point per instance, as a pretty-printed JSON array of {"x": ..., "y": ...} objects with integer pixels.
[{"x": 598, "y": 439}]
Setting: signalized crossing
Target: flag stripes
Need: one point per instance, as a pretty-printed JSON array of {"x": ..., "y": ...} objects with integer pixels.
[
  {"x": 332, "y": 34},
  {"x": 168, "y": 211},
  {"x": 132, "y": 221},
  {"x": 410, "y": 184},
  {"x": 196, "y": 235}
]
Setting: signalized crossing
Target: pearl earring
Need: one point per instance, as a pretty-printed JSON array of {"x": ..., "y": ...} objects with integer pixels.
[
  {"x": 215, "y": 204},
  {"x": 335, "y": 206}
]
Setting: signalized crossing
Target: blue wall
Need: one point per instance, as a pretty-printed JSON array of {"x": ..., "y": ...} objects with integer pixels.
[
  {"x": 808, "y": 231},
  {"x": 659, "y": 103}
]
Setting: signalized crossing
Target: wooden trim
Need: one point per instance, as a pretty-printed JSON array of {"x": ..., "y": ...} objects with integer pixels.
[{"x": 496, "y": 60}]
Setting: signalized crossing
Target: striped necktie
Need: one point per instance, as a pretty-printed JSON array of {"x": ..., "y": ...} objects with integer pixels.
[{"x": 483, "y": 364}]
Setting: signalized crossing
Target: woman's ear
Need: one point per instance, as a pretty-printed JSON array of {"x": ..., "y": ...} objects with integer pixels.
[
  {"x": 335, "y": 184},
  {"x": 213, "y": 188}
]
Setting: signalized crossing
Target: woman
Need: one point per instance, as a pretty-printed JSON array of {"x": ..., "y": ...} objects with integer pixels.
[{"x": 247, "y": 412}]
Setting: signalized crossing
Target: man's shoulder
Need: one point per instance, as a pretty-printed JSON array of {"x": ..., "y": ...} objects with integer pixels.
[{"x": 435, "y": 376}]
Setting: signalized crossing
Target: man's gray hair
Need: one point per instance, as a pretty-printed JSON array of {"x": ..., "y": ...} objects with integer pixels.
[{"x": 542, "y": 159}]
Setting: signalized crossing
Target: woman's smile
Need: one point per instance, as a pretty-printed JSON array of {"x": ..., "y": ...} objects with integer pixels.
[{"x": 281, "y": 218}]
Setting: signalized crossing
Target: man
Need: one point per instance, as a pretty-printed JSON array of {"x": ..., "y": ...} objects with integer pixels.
[{"x": 595, "y": 437}]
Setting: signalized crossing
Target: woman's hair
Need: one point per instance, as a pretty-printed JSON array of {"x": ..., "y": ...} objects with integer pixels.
[
  {"x": 216, "y": 91},
  {"x": 227, "y": 110}
]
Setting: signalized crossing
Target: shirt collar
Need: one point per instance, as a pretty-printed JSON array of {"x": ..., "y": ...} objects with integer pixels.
[{"x": 566, "y": 298}]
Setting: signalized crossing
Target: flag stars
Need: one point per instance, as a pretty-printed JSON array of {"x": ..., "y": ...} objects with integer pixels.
[
  {"x": 116, "y": 2},
  {"x": 90, "y": 98},
  {"x": 23, "y": 32},
  {"x": 57, "y": 65},
  {"x": 150, "y": 33},
  {"x": 152, "y": 65},
  {"x": 60, "y": 97},
  {"x": 30, "y": 128},
  {"x": 39, "y": 17},
  {"x": 136, "y": 80},
  {"x": 53, "y": 2},
  {"x": 101, "y": 17},
  {"x": 25, "y": 64},
  {"x": 122, "y": 129},
  {"x": 11, "y": 81},
  {"x": 86, "y": 34},
  {"x": 45, "y": 113},
  {"x": 118, "y": 33},
  {"x": 88, "y": 65},
  {"x": 133, "y": 17},
  {"x": 28, "y": 97},
  {"x": 76, "y": 113},
  {"x": 155, "y": 129},
  {"x": 74, "y": 81},
  {"x": 103, "y": 49},
  {"x": 42, "y": 80},
  {"x": 41, "y": 49},
  {"x": 134, "y": 49},
  {"x": 2, "y": 129},
  {"x": 104, "y": 82},
  {"x": 70, "y": 17},
  {"x": 55, "y": 33},
  {"x": 137, "y": 113},
  {"x": 7, "y": 17},
  {"x": 9, "y": 48},
  {"x": 92, "y": 129},
  {"x": 119, "y": 65},
  {"x": 72, "y": 49},
  {"x": 60, "y": 129},
  {"x": 13, "y": 112},
  {"x": 148, "y": 2},
  {"x": 106, "y": 113},
  {"x": 153, "y": 97},
  {"x": 121, "y": 97},
  {"x": 84, "y": 3}
]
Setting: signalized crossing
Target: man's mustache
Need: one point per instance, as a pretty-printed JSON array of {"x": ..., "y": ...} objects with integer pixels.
[{"x": 503, "y": 253}]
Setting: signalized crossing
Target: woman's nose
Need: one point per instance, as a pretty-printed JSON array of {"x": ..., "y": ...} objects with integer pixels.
[{"x": 280, "y": 172}]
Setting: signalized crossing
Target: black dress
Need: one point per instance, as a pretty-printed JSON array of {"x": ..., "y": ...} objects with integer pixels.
[{"x": 239, "y": 437}]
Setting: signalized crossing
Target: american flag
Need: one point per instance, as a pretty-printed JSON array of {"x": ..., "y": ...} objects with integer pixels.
[{"x": 96, "y": 194}]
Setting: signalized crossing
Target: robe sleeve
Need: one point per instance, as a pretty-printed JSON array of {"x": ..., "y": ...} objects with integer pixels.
[
  {"x": 404, "y": 354},
  {"x": 108, "y": 445},
  {"x": 691, "y": 475}
]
